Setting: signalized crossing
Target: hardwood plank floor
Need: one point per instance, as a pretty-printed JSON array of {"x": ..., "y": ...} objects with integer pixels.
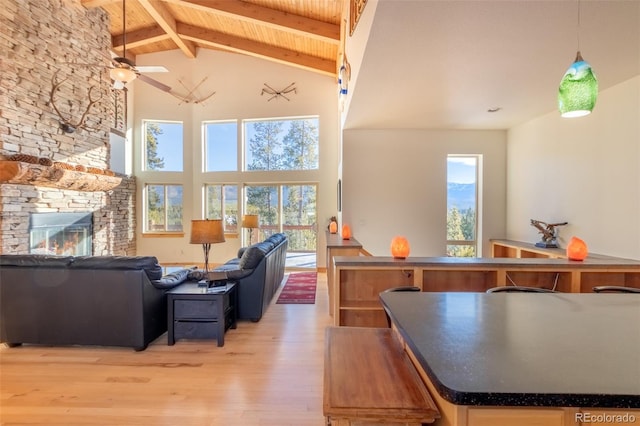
[{"x": 267, "y": 373}]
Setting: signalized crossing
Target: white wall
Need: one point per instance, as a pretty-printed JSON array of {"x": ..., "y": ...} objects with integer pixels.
[
  {"x": 585, "y": 171},
  {"x": 237, "y": 81},
  {"x": 395, "y": 183}
]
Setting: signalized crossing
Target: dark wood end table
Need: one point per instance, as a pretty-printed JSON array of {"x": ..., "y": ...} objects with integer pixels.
[{"x": 196, "y": 312}]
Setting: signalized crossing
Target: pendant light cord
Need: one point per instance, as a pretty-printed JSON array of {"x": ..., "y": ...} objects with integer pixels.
[
  {"x": 124, "y": 29},
  {"x": 578, "y": 29}
]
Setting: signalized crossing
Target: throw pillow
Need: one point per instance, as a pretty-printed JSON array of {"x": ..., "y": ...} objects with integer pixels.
[
  {"x": 251, "y": 257},
  {"x": 172, "y": 279}
]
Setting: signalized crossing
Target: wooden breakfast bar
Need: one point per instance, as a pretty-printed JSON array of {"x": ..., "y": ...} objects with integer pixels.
[{"x": 523, "y": 359}]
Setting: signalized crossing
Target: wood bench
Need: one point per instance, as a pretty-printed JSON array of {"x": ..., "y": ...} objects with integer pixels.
[{"x": 369, "y": 379}]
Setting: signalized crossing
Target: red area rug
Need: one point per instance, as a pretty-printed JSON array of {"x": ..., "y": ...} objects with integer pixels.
[{"x": 300, "y": 288}]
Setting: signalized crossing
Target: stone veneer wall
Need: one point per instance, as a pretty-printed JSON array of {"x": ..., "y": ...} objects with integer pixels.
[{"x": 37, "y": 40}]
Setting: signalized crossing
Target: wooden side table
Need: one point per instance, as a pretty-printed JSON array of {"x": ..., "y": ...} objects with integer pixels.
[{"x": 201, "y": 313}]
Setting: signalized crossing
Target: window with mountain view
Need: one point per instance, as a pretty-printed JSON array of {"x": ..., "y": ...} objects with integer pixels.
[
  {"x": 281, "y": 144},
  {"x": 462, "y": 205},
  {"x": 163, "y": 205}
]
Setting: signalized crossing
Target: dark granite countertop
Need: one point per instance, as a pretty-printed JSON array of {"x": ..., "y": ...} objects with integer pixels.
[{"x": 517, "y": 349}]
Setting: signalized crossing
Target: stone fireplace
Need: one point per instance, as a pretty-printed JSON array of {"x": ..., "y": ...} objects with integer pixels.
[{"x": 35, "y": 36}]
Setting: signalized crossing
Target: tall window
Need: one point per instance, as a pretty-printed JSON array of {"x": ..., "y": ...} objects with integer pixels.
[
  {"x": 289, "y": 144},
  {"x": 221, "y": 202},
  {"x": 163, "y": 208},
  {"x": 162, "y": 146},
  {"x": 462, "y": 205},
  {"x": 221, "y": 146}
]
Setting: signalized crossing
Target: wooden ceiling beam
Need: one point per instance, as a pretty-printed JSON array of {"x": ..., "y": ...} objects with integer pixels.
[
  {"x": 167, "y": 22},
  {"x": 265, "y": 16},
  {"x": 90, "y": 4},
  {"x": 256, "y": 49},
  {"x": 140, "y": 37}
]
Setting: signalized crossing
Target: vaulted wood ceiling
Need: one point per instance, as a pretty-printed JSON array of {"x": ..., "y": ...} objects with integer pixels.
[{"x": 305, "y": 34}]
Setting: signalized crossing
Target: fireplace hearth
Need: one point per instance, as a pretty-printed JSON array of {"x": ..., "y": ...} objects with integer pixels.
[{"x": 61, "y": 234}]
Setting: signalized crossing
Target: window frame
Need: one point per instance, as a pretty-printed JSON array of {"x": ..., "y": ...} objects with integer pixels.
[
  {"x": 205, "y": 151},
  {"x": 245, "y": 143},
  {"x": 145, "y": 203},
  {"x": 144, "y": 165},
  {"x": 222, "y": 186},
  {"x": 473, "y": 242}
]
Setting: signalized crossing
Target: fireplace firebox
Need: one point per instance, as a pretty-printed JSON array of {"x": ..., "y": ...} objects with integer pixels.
[{"x": 61, "y": 234}]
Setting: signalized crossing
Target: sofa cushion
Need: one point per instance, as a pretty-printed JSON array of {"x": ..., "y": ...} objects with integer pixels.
[
  {"x": 149, "y": 264},
  {"x": 251, "y": 257},
  {"x": 172, "y": 279},
  {"x": 277, "y": 238}
]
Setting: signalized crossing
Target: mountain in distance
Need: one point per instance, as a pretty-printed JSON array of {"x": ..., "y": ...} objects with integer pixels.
[{"x": 461, "y": 195}]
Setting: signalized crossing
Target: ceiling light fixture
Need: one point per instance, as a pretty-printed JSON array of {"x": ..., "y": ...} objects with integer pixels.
[
  {"x": 124, "y": 72},
  {"x": 579, "y": 87},
  {"x": 124, "y": 75}
]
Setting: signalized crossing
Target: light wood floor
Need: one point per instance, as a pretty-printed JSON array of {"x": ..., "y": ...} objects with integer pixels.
[{"x": 267, "y": 373}]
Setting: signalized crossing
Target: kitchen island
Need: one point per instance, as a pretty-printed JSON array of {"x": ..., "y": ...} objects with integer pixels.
[{"x": 524, "y": 359}]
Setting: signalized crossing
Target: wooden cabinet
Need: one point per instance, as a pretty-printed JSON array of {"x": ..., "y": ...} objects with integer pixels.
[{"x": 358, "y": 281}]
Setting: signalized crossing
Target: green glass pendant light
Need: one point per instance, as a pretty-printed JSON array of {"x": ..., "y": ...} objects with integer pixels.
[{"x": 579, "y": 87}]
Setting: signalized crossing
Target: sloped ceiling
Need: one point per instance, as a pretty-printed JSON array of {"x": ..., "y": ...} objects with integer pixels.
[
  {"x": 305, "y": 34},
  {"x": 443, "y": 64}
]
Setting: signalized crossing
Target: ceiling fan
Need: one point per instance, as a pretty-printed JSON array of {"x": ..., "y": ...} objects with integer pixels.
[{"x": 124, "y": 70}]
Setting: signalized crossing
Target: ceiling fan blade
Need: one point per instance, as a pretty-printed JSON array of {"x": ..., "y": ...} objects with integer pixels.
[
  {"x": 151, "y": 68},
  {"x": 154, "y": 83}
]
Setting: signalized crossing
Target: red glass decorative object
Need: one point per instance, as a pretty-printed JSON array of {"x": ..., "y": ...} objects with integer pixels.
[
  {"x": 333, "y": 227},
  {"x": 577, "y": 249},
  {"x": 346, "y": 232},
  {"x": 400, "y": 247}
]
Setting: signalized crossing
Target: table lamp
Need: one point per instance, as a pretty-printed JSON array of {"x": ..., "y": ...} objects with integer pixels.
[
  {"x": 250, "y": 221},
  {"x": 206, "y": 232}
]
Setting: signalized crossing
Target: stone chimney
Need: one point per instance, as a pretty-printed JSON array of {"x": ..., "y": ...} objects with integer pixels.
[{"x": 42, "y": 43}]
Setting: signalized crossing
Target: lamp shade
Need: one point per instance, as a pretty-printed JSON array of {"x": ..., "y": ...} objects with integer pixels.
[
  {"x": 122, "y": 74},
  {"x": 578, "y": 89},
  {"x": 400, "y": 247},
  {"x": 250, "y": 221},
  {"x": 207, "y": 231},
  {"x": 577, "y": 249}
]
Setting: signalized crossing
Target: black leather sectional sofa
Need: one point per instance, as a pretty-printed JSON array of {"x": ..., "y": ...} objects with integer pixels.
[
  {"x": 92, "y": 300},
  {"x": 116, "y": 300}
]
